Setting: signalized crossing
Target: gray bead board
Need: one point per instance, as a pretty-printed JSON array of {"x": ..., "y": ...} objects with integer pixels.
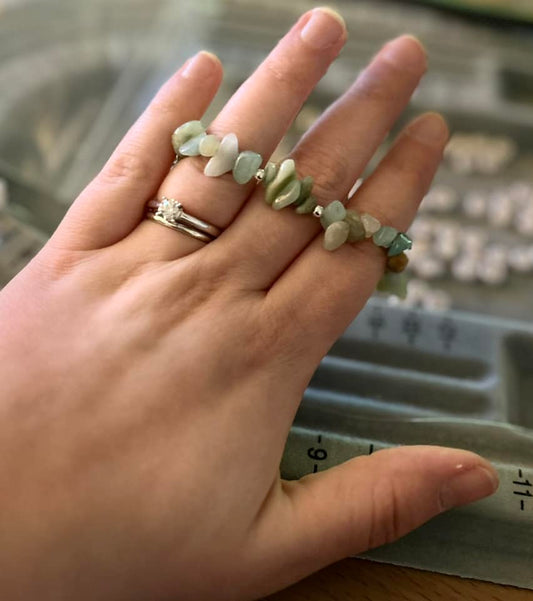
[{"x": 400, "y": 377}]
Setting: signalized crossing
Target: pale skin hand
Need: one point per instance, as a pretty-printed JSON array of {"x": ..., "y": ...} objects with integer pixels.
[{"x": 149, "y": 382}]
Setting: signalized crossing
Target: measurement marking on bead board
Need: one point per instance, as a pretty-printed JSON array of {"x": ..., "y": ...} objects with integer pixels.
[
  {"x": 412, "y": 327},
  {"x": 376, "y": 321},
  {"x": 448, "y": 332},
  {"x": 524, "y": 486},
  {"x": 317, "y": 454}
]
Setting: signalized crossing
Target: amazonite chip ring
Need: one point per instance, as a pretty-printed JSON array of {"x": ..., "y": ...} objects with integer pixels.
[{"x": 283, "y": 188}]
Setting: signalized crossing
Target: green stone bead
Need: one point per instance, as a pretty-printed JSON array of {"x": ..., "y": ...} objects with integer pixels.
[
  {"x": 191, "y": 148},
  {"x": 185, "y": 132},
  {"x": 357, "y": 229},
  {"x": 401, "y": 242},
  {"x": 393, "y": 283},
  {"x": 271, "y": 170},
  {"x": 305, "y": 190},
  {"x": 385, "y": 236},
  {"x": 335, "y": 211},
  {"x": 286, "y": 173},
  {"x": 308, "y": 206},
  {"x": 288, "y": 195},
  {"x": 246, "y": 166},
  {"x": 336, "y": 235}
]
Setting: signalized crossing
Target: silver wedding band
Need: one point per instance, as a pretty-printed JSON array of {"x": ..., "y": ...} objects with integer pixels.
[{"x": 169, "y": 212}]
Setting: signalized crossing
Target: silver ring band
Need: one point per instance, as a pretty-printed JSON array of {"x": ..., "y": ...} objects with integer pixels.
[
  {"x": 169, "y": 212},
  {"x": 198, "y": 224},
  {"x": 179, "y": 227}
]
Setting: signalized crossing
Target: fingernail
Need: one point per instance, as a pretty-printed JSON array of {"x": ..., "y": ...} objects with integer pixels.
[
  {"x": 468, "y": 486},
  {"x": 324, "y": 29},
  {"x": 429, "y": 128},
  {"x": 406, "y": 52},
  {"x": 200, "y": 65}
]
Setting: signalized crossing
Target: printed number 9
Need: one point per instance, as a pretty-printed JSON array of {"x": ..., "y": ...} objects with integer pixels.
[{"x": 317, "y": 454}]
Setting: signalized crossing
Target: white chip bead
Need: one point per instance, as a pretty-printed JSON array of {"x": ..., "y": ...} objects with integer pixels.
[
  {"x": 336, "y": 235},
  {"x": 371, "y": 224},
  {"x": 224, "y": 159}
]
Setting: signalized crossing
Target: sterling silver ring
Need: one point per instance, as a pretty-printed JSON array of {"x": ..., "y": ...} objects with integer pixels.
[{"x": 169, "y": 212}]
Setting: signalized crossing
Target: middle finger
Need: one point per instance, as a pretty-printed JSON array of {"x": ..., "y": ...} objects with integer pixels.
[
  {"x": 263, "y": 242},
  {"x": 259, "y": 113}
]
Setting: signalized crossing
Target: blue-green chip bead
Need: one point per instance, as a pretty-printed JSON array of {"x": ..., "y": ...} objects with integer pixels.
[
  {"x": 385, "y": 236},
  {"x": 401, "y": 243},
  {"x": 271, "y": 171},
  {"x": 246, "y": 166},
  {"x": 335, "y": 211},
  {"x": 191, "y": 148},
  {"x": 186, "y": 132}
]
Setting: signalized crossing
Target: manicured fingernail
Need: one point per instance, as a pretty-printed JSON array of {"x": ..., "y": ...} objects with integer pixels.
[
  {"x": 200, "y": 65},
  {"x": 429, "y": 128},
  {"x": 406, "y": 52},
  {"x": 324, "y": 29},
  {"x": 468, "y": 486}
]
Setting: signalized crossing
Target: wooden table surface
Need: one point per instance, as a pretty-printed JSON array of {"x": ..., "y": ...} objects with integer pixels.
[{"x": 361, "y": 580}]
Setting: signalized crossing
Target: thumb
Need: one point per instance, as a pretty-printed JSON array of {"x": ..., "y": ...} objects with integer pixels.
[{"x": 366, "y": 502}]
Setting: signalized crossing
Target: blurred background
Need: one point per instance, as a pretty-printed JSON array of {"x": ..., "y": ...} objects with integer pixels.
[{"x": 74, "y": 76}]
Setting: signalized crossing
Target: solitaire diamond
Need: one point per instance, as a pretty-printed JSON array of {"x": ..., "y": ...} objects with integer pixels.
[{"x": 170, "y": 209}]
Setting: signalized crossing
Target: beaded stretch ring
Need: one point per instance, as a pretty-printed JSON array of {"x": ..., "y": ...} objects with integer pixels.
[{"x": 283, "y": 189}]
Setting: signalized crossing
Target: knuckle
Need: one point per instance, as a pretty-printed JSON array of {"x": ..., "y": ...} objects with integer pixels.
[
  {"x": 373, "y": 89},
  {"x": 412, "y": 174},
  {"x": 126, "y": 166},
  {"x": 286, "y": 75},
  {"x": 388, "y": 519},
  {"x": 163, "y": 104},
  {"x": 331, "y": 173}
]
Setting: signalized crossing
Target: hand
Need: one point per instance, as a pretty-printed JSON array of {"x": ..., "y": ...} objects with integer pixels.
[{"x": 149, "y": 381}]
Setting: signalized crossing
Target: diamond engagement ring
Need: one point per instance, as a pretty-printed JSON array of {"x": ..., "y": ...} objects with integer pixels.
[{"x": 170, "y": 213}]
